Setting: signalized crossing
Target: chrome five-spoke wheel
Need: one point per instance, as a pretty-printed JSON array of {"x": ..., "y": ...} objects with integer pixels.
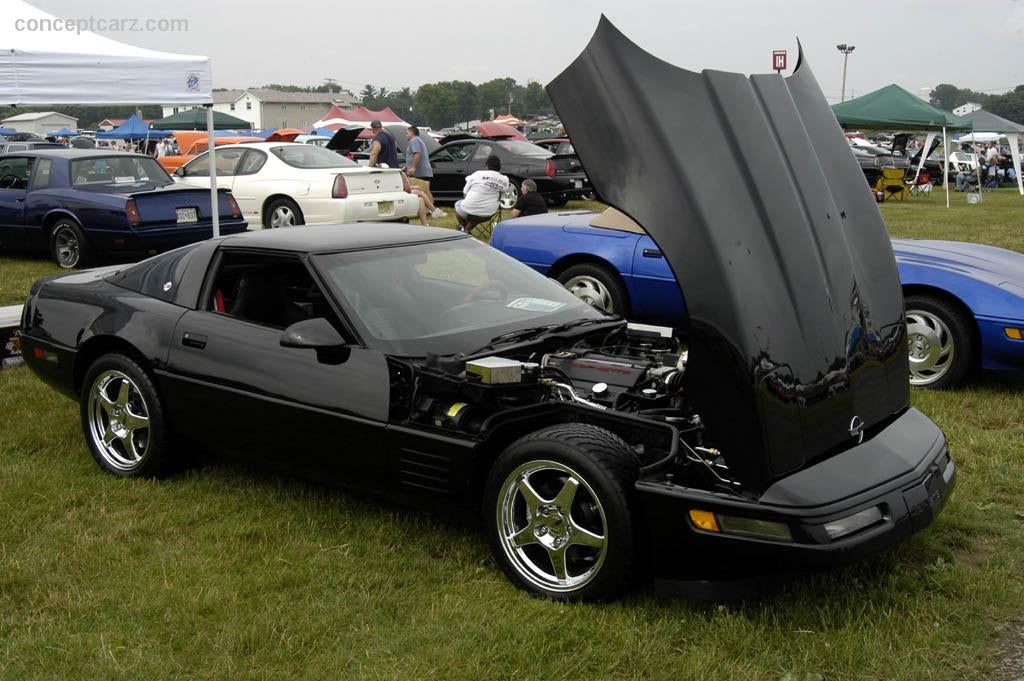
[
  {"x": 283, "y": 216},
  {"x": 118, "y": 420},
  {"x": 552, "y": 526}
]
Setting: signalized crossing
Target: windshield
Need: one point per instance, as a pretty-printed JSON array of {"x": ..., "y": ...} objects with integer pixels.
[
  {"x": 309, "y": 156},
  {"x": 444, "y": 297},
  {"x": 104, "y": 173},
  {"x": 524, "y": 148}
]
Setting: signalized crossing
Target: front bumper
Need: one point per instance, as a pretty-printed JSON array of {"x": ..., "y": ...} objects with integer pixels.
[
  {"x": 1000, "y": 352},
  {"x": 904, "y": 471}
]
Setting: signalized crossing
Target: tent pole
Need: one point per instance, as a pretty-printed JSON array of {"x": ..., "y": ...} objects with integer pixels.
[
  {"x": 214, "y": 203},
  {"x": 945, "y": 164},
  {"x": 980, "y": 185},
  {"x": 1012, "y": 138}
]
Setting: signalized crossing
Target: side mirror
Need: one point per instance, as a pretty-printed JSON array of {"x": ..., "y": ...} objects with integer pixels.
[
  {"x": 179, "y": 171},
  {"x": 316, "y": 333}
]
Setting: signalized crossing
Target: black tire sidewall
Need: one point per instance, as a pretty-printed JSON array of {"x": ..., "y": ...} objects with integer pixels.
[
  {"x": 275, "y": 204},
  {"x": 612, "y": 485},
  {"x": 155, "y": 460},
  {"x": 83, "y": 247},
  {"x": 964, "y": 358},
  {"x": 610, "y": 279}
]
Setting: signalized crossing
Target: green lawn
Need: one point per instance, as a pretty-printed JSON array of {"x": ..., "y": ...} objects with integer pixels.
[{"x": 225, "y": 572}]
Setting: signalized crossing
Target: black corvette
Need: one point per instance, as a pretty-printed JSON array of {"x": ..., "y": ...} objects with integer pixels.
[{"x": 425, "y": 366}]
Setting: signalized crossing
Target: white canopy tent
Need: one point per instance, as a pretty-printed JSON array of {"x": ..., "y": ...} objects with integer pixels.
[
  {"x": 986, "y": 123},
  {"x": 50, "y": 60}
]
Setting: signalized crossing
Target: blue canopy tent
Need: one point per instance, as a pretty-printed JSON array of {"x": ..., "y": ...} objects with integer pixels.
[
  {"x": 8, "y": 131},
  {"x": 132, "y": 129},
  {"x": 63, "y": 132}
]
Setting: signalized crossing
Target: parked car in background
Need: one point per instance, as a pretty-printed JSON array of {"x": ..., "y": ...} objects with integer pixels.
[
  {"x": 964, "y": 302},
  {"x": 556, "y": 145},
  {"x": 285, "y": 184},
  {"x": 559, "y": 178},
  {"x": 315, "y": 140},
  {"x": 15, "y": 147},
  {"x": 872, "y": 159},
  {"x": 80, "y": 204},
  {"x": 172, "y": 162}
]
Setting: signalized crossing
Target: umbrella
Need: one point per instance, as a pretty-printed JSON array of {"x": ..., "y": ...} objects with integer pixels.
[{"x": 63, "y": 132}]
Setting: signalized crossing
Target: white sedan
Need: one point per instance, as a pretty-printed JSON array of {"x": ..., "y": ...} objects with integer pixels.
[{"x": 281, "y": 184}]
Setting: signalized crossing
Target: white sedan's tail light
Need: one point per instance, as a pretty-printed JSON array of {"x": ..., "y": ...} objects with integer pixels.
[{"x": 340, "y": 188}]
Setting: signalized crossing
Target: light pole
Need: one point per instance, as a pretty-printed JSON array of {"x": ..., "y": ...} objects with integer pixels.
[{"x": 846, "y": 50}]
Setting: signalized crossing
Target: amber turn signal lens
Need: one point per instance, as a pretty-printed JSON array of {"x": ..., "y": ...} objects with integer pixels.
[
  {"x": 1015, "y": 334},
  {"x": 704, "y": 520}
]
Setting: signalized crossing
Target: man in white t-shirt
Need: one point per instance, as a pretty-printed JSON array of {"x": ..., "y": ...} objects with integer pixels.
[
  {"x": 992, "y": 153},
  {"x": 482, "y": 192}
]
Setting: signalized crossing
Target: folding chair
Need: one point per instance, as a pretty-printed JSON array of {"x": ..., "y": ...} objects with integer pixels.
[
  {"x": 922, "y": 185},
  {"x": 891, "y": 184},
  {"x": 484, "y": 229}
]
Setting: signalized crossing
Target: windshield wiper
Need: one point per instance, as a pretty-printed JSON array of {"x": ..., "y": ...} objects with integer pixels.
[{"x": 534, "y": 332}]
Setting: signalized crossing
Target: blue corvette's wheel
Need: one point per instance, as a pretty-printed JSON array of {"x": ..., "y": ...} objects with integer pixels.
[
  {"x": 940, "y": 342},
  {"x": 598, "y": 286}
]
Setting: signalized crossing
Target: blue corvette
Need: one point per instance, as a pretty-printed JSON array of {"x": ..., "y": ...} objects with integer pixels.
[
  {"x": 964, "y": 302},
  {"x": 81, "y": 203}
]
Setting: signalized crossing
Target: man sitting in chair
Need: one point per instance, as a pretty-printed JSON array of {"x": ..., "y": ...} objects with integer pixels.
[{"x": 482, "y": 193}]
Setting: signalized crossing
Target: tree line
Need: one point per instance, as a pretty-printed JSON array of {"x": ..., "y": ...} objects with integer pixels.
[
  {"x": 445, "y": 103},
  {"x": 88, "y": 116},
  {"x": 1009, "y": 105}
]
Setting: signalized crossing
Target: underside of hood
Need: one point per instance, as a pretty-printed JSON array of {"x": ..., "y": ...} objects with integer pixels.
[{"x": 797, "y": 339}]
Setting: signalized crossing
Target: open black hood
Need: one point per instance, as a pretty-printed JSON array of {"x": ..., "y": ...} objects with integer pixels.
[{"x": 797, "y": 339}]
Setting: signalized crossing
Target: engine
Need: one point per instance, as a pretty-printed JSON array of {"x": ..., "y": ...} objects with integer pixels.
[{"x": 638, "y": 371}]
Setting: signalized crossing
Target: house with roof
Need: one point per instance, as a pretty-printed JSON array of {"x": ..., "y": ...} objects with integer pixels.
[
  {"x": 40, "y": 122},
  {"x": 266, "y": 108}
]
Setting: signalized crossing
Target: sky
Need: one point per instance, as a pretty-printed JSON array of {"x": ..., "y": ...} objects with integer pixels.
[{"x": 915, "y": 43}]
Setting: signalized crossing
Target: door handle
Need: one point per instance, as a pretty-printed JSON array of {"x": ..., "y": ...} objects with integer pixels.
[
  {"x": 20, "y": 199},
  {"x": 652, "y": 253},
  {"x": 193, "y": 340}
]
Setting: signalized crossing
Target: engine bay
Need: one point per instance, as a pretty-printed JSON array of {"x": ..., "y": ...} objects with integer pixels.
[{"x": 634, "y": 373}]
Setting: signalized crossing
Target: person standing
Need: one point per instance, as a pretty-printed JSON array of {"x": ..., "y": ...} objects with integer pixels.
[
  {"x": 530, "y": 201},
  {"x": 482, "y": 195},
  {"x": 419, "y": 170},
  {"x": 383, "y": 149}
]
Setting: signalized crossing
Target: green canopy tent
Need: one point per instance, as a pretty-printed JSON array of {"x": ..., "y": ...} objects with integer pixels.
[
  {"x": 893, "y": 108},
  {"x": 195, "y": 119},
  {"x": 987, "y": 122}
]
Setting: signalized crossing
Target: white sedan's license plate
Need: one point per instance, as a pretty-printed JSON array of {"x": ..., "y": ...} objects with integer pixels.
[
  {"x": 385, "y": 207},
  {"x": 578, "y": 184},
  {"x": 187, "y": 215}
]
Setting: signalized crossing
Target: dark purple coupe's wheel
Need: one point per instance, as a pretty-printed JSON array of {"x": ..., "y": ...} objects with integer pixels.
[{"x": 68, "y": 246}]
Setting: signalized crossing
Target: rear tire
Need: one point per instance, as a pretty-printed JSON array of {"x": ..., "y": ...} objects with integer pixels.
[
  {"x": 282, "y": 213},
  {"x": 68, "y": 246},
  {"x": 123, "y": 419},
  {"x": 510, "y": 196},
  {"x": 557, "y": 512},
  {"x": 598, "y": 285},
  {"x": 940, "y": 341}
]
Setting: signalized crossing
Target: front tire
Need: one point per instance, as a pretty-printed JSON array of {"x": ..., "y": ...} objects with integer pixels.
[
  {"x": 557, "y": 509},
  {"x": 940, "y": 342},
  {"x": 68, "y": 246},
  {"x": 282, "y": 213},
  {"x": 123, "y": 419},
  {"x": 597, "y": 285}
]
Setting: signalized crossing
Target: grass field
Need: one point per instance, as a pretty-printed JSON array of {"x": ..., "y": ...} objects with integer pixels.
[{"x": 226, "y": 572}]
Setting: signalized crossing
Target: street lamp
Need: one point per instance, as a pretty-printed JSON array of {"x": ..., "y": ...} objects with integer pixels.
[{"x": 846, "y": 50}]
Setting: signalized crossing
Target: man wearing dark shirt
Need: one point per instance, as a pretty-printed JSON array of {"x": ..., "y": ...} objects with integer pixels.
[
  {"x": 383, "y": 149},
  {"x": 530, "y": 201}
]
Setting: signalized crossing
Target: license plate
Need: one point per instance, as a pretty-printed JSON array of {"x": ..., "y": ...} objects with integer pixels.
[
  {"x": 578, "y": 184},
  {"x": 187, "y": 215},
  {"x": 385, "y": 207}
]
